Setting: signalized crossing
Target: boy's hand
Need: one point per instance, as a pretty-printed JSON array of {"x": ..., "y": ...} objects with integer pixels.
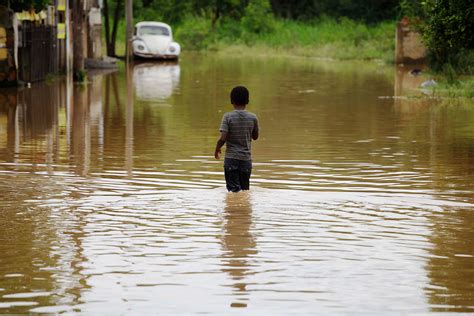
[{"x": 220, "y": 143}]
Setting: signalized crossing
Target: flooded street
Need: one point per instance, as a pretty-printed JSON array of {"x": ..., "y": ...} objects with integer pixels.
[{"x": 112, "y": 202}]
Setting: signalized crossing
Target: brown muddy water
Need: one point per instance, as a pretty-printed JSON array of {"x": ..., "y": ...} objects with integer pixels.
[{"x": 111, "y": 202}]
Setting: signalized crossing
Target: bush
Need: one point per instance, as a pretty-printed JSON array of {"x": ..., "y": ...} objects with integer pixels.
[
  {"x": 194, "y": 33},
  {"x": 448, "y": 33},
  {"x": 450, "y": 74},
  {"x": 258, "y": 17},
  {"x": 20, "y": 5}
]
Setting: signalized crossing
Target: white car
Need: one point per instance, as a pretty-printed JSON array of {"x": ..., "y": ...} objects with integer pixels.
[{"x": 154, "y": 40}]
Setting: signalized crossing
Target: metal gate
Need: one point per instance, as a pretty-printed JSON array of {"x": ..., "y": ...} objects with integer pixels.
[{"x": 37, "y": 52}]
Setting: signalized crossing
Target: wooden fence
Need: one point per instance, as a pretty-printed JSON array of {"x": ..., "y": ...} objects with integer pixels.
[{"x": 38, "y": 52}]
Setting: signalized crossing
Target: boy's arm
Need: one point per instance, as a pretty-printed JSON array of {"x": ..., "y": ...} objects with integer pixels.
[
  {"x": 255, "y": 130},
  {"x": 220, "y": 142}
]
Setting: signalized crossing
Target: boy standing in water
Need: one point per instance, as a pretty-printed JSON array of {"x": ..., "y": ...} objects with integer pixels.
[{"x": 238, "y": 128}]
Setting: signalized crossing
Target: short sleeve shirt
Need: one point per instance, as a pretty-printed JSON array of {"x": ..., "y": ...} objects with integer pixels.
[{"x": 239, "y": 124}]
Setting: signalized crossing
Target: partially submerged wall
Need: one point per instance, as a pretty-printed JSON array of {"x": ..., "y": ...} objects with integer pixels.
[{"x": 409, "y": 47}]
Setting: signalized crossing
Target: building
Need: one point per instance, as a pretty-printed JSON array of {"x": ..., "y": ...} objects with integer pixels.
[{"x": 56, "y": 40}]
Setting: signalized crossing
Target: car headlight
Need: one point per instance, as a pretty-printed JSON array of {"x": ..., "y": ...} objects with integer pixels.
[
  {"x": 174, "y": 48},
  {"x": 140, "y": 46}
]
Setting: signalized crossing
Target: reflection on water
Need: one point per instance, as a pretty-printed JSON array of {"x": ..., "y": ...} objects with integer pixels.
[
  {"x": 238, "y": 243},
  {"x": 408, "y": 80},
  {"x": 452, "y": 262},
  {"x": 155, "y": 81},
  {"x": 110, "y": 202}
]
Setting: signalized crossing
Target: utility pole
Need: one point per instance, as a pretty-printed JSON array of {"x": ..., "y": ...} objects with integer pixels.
[
  {"x": 69, "y": 39},
  {"x": 129, "y": 22},
  {"x": 129, "y": 113}
]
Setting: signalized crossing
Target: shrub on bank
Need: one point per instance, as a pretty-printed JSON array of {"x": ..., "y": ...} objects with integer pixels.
[
  {"x": 448, "y": 33},
  {"x": 325, "y": 37},
  {"x": 258, "y": 18},
  {"x": 194, "y": 33}
]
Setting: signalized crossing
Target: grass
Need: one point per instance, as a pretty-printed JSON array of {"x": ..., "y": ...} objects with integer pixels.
[
  {"x": 461, "y": 88},
  {"x": 456, "y": 80},
  {"x": 326, "y": 38}
]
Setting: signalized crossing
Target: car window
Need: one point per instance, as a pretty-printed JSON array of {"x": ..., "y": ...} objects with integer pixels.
[{"x": 153, "y": 30}]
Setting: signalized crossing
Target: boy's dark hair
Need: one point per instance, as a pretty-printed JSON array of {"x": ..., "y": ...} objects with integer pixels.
[{"x": 239, "y": 96}]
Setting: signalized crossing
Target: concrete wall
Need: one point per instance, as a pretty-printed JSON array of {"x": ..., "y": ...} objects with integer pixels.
[
  {"x": 409, "y": 47},
  {"x": 95, "y": 32}
]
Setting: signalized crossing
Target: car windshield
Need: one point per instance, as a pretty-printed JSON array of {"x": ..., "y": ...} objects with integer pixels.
[{"x": 153, "y": 30}]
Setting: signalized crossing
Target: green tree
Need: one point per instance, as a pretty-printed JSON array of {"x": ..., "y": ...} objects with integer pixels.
[
  {"x": 168, "y": 11},
  {"x": 258, "y": 17},
  {"x": 221, "y": 8},
  {"x": 20, "y": 5},
  {"x": 449, "y": 33},
  {"x": 111, "y": 35},
  {"x": 370, "y": 11}
]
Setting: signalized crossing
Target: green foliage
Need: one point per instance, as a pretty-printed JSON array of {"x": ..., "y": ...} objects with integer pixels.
[
  {"x": 171, "y": 11},
  {"x": 450, "y": 74},
  {"x": 345, "y": 39},
  {"x": 413, "y": 9},
  {"x": 20, "y": 5},
  {"x": 447, "y": 27},
  {"x": 221, "y": 8},
  {"x": 449, "y": 33},
  {"x": 258, "y": 17},
  {"x": 194, "y": 33},
  {"x": 462, "y": 87},
  {"x": 80, "y": 76},
  {"x": 175, "y": 11},
  {"x": 50, "y": 78},
  {"x": 370, "y": 11}
]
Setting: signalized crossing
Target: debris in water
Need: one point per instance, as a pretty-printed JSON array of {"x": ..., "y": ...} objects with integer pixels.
[
  {"x": 429, "y": 83},
  {"x": 415, "y": 72}
]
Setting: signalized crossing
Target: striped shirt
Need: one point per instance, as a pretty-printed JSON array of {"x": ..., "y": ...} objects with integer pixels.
[{"x": 239, "y": 124}]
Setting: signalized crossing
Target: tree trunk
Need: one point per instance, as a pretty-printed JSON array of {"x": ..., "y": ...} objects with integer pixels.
[
  {"x": 115, "y": 27},
  {"x": 107, "y": 27},
  {"x": 78, "y": 29},
  {"x": 147, "y": 3},
  {"x": 215, "y": 17}
]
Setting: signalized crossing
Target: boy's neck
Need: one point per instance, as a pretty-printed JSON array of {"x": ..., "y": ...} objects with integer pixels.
[{"x": 239, "y": 107}]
